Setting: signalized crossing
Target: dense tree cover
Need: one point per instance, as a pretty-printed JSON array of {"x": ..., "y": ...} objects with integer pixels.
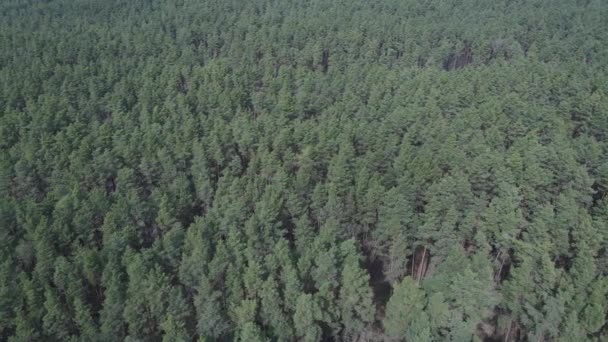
[{"x": 303, "y": 170}]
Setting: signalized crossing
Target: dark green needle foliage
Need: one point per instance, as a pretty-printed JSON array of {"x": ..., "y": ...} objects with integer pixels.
[{"x": 387, "y": 170}]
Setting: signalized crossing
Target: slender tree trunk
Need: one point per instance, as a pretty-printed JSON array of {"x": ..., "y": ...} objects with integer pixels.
[
  {"x": 413, "y": 261},
  {"x": 420, "y": 267},
  {"x": 425, "y": 263},
  {"x": 497, "y": 255},
  {"x": 508, "y": 331},
  {"x": 497, "y": 276}
]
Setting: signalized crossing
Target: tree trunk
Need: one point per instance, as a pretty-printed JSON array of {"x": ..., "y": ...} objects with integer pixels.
[
  {"x": 508, "y": 331},
  {"x": 413, "y": 261},
  {"x": 421, "y": 266},
  {"x": 497, "y": 276}
]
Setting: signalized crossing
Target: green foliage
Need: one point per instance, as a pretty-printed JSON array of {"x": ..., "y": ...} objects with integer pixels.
[
  {"x": 405, "y": 304},
  {"x": 314, "y": 170},
  {"x": 306, "y": 318}
]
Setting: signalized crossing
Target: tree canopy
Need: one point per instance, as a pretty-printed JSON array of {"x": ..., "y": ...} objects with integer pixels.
[{"x": 391, "y": 170}]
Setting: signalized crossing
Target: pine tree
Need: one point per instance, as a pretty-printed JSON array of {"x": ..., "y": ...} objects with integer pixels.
[
  {"x": 403, "y": 306},
  {"x": 305, "y": 318},
  {"x": 272, "y": 311},
  {"x": 211, "y": 320},
  {"x": 355, "y": 298}
]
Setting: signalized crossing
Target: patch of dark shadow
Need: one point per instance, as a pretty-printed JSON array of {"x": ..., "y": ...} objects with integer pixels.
[
  {"x": 326, "y": 332},
  {"x": 380, "y": 286},
  {"x": 599, "y": 193},
  {"x": 105, "y": 115},
  {"x": 199, "y": 41},
  {"x": 503, "y": 272},
  {"x": 182, "y": 84},
  {"x": 110, "y": 185},
  {"x": 290, "y": 227},
  {"x": 458, "y": 60},
  {"x": 95, "y": 297},
  {"x": 563, "y": 262},
  {"x": 325, "y": 61}
]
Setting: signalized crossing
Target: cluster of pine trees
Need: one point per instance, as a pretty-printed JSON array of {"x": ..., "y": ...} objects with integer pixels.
[{"x": 349, "y": 170}]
